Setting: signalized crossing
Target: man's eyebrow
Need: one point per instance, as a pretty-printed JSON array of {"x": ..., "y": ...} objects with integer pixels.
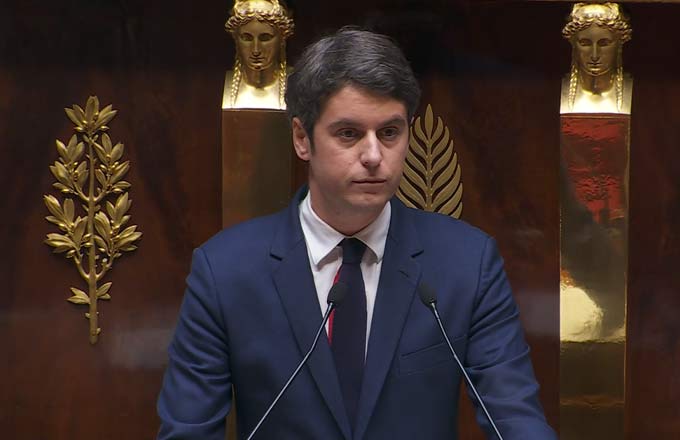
[
  {"x": 395, "y": 120},
  {"x": 345, "y": 122}
]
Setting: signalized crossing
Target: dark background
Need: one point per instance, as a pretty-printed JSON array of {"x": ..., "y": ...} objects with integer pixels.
[{"x": 490, "y": 69}]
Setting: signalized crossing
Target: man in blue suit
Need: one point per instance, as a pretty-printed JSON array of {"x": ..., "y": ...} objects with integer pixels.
[{"x": 256, "y": 292}]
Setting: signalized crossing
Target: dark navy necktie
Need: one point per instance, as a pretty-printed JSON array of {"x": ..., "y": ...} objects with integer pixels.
[{"x": 349, "y": 326}]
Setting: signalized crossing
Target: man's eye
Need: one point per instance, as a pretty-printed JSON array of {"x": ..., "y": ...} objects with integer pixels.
[
  {"x": 604, "y": 42},
  {"x": 389, "y": 132},
  {"x": 584, "y": 42},
  {"x": 266, "y": 37},
  {"x": 346, "y": 133},
  {"x": 246, "y": 37}
]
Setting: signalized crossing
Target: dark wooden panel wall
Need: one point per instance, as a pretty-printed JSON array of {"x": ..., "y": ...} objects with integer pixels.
[
  {"x": 490, "y": 69},
  {"x": 653, "y": 383},
  {"x": 160, "y": 65}
]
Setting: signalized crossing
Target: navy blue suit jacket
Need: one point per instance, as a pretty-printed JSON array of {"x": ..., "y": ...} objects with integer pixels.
[{"x": 250, "y": 313}]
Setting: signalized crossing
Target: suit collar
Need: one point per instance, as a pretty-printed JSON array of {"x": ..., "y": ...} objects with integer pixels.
[
  {"x": 289, "y": 233},
  {"x": 399, "y": 277}
]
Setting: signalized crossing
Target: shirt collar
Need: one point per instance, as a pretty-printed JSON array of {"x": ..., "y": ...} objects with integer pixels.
[{"x": 322, "y": 240}]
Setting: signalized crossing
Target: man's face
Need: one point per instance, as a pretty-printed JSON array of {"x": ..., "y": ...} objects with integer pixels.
[
  {"x": 596, "y": 50},
  {"x": 360, "y": 141},
  {"x": 258, "y": 45}
]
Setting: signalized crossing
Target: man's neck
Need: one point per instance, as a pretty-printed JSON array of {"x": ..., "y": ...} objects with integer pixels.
[{"x": 348, "y": 225}]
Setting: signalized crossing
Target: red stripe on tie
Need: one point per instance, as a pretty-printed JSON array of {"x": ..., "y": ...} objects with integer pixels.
[
  {"x": 332, "y": 315},
  {"x": 330, "y": 327}
]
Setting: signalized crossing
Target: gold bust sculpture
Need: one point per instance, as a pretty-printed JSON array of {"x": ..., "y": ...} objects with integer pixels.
[
  {"x": 260, "y": 29},
  {"x": 596, "y": 82}
]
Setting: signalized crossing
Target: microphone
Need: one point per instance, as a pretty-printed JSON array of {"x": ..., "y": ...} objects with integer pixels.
[
  {"x": 335, "y": 297},
  {"x": 428, "y": 297}
]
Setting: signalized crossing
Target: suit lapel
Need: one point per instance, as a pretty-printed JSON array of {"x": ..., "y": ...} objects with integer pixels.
[
  {"x": 295, "y": 285},
  {"x": 399, "y": 276}
]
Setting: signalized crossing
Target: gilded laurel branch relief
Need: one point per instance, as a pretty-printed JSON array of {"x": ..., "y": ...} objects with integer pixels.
[
  {"x": 89, "y": 174},
  {"x": 432, "y": 173}
]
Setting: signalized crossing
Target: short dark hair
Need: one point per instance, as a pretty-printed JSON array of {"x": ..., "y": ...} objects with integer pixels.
[{"x": 351, "y": 56}]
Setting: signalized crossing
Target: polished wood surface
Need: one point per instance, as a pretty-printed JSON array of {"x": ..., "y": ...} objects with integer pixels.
[
  {"x": 492, "y": 69},
  {"x": 653, "y": 387}
]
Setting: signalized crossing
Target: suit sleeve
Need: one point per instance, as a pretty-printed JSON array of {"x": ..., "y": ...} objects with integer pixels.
[
  {"x": 196, "y": 393},
  {"x": 498, "y": 359}
]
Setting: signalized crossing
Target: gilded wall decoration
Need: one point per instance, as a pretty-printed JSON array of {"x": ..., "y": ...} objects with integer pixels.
[
  {"x": 432, "y": 174},
  {"x": 595, "y": 126},
  {"x": 260, "y": 29},
  {"x": 596, "y": 82},
  {"x": 89, "y": 174}
]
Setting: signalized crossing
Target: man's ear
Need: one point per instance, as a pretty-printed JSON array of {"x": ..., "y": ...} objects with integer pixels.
[{"x": 301, "y": 140}]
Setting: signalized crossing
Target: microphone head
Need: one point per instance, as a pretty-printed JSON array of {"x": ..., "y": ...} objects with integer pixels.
[
  {"x": 337, "y": 293},
  {"x": 427, "y": 295}
]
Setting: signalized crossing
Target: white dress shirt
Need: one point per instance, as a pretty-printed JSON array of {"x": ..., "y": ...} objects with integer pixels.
[{"x": 325, "y": 254}]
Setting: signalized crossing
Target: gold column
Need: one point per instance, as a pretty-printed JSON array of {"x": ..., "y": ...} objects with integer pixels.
[
  {"x": 257, "y": 163},
  {"x": 593, "y": 268},
  {"x": 594, "y": 146}
]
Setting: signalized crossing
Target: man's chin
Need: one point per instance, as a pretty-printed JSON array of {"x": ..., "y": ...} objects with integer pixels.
[{"x": 370, "y": 200}]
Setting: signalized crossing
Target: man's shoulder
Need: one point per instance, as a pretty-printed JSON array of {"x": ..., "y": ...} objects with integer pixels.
[
  {"x": 440, "y": 227},
  {"x": 246, "y": 237}
]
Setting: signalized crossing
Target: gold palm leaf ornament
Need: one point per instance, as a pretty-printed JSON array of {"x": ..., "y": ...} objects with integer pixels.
[
  {"x": 90, "y": 171},
  {"x": 432, "y": 174}
]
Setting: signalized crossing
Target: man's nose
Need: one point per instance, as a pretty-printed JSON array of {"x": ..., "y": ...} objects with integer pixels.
[
  {"x": 256, "y": 46},
  {"x": 371, "y": 154}
]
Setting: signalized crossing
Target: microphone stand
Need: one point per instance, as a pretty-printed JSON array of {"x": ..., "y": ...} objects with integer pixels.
[
  {"x": 433, "y": 307},
  {"x": 335, "y": 296}
]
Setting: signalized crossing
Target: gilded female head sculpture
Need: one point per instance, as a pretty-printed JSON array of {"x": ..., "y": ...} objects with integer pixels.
[
  {"x": 260, "y": 29},
  {"x": 597, "y": 33}
]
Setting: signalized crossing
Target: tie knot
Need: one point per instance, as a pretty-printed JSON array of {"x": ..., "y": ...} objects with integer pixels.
[{"x": 352, "y": 250}]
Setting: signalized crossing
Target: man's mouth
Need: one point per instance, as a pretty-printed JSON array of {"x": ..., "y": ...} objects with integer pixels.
[{"x": 370, "y": 181}]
